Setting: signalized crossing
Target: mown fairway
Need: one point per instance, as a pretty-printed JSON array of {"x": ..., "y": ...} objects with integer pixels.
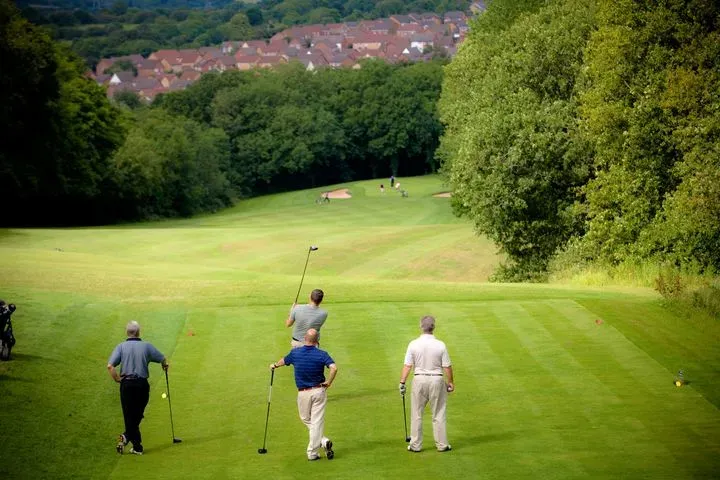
[{"x": 544, "y": 390}]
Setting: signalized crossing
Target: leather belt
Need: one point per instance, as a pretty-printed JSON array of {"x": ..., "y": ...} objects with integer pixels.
[
  {"x": 309, "y": 388},
  {"x": 429, "y": 374}
]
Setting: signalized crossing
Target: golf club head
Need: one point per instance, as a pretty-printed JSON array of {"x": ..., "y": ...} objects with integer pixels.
[
  {"x": 313, "y": 248},
  {"x": 177, "y": 440},
  {"x": 262, "y": 450},
  {"x": 407, "y": 439}
]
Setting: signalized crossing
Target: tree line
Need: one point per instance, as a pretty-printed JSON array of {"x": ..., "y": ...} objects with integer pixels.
[
  {"x": 71, "y": 156},
  {"x": 588, "y": 131},
  {"x": 149, "y": 25}
]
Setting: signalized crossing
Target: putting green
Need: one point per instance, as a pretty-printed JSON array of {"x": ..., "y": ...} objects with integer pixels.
[{"x": 544, "y": 390}]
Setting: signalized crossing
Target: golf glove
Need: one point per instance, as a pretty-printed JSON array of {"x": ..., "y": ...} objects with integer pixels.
[{"x": 402, "y": 388}]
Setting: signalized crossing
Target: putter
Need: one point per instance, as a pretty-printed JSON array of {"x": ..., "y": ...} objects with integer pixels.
[
  {"x": 267, "y": 417},
  {"x": 311, "y": 249},
  {"x": 407, "y": 439},
  {"x": 172, "y": 426}
]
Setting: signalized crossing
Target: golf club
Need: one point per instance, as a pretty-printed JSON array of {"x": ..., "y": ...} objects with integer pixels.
[
  {"x": 267, "y": 417},
  {"x": 311, "y": 249},
  {"x": 172, "y": 426},
  {"x": 407, "y": 439}
]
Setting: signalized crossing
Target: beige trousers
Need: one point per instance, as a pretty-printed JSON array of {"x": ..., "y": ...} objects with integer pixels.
[
  {"x": 432, "y": 390},
  {"x": 311, "y": 407}
]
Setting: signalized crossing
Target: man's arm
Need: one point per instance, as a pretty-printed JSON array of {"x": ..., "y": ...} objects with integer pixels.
[
  {"x": 331, "y": 375},
  {"x": 290, "y": 320},
  {"x": 405, "y": 372},
  {"x": 449, "y": 378},
  {"x": 278, "y": 364},
  {"x": 113, "y": 372}
]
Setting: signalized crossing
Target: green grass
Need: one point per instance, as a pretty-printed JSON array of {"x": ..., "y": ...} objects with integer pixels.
[{"x": 543, "y": 389}]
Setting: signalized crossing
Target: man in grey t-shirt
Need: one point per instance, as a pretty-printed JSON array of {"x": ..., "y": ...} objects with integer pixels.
[
  {"x": 134, "y": 355},
  {"x": 304, "y": 317}
]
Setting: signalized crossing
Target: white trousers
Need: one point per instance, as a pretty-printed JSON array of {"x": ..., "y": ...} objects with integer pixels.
[
  {"x": 311, "y": 407},
  {"x": 432, "y": 390}
]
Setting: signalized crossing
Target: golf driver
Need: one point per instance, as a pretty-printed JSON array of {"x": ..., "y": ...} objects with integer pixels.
[
  {"x": 407, "y": 439},
  {"x": 172, "y": 426},
  {"x": 267, "y": 417},
  {"x": 311, "y": 249}
]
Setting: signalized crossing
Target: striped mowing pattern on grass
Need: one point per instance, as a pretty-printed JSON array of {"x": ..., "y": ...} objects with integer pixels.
[{"x": 543, "y": 389}]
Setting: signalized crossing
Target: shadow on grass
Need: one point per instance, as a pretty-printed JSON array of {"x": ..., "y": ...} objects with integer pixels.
[
  {"x": 340, "y": 397},
  {"x": 192, "y": 441},
  {"x": 24, "y": 357},
  {"x": 8, "y": 378}
]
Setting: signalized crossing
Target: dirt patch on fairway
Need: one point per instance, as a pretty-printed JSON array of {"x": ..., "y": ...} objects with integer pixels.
[
  {"x": 340, "y": 193},
  {"x": 443, "y": 195}
]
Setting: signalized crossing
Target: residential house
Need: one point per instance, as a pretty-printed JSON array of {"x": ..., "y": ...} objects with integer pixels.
[
  {"x": 270, "y": 61},
  {"x": 246, "y": 62},
  {"x": 121, "y": 78},
  {"x": 408, "y": 30},
  {"x": 421, "y": 41},
  {"x": 478, "y": 7},
  {"x": 106, "y": 63},
  {"x": 149, "y": 68}
]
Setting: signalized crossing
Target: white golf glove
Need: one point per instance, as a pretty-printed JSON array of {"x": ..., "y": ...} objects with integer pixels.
[{"x": 402, "y": 388}]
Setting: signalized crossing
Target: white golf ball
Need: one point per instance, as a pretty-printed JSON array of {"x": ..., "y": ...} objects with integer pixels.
[{"x": 164, "y": 395}]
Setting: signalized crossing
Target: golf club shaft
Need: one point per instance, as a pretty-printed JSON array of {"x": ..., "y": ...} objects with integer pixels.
[
  {"x": 267, "y": 416},
  {"x": 303, "y": 275},
  {"x": 405, "y": 417},
  {"x": 172, "y": 425}
]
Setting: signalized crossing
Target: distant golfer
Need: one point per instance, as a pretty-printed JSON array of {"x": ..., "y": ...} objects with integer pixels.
[
  {"x": 392, "y": 181},
  {"x": 310, "y": 363},
  {"x": 429, "y": 358},
  {"x": 304, "y": 317},
  {"x": 134, "y": 355}
]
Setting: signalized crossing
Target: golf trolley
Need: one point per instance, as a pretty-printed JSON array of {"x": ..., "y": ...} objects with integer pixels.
[{"x": 7, "y": 339}]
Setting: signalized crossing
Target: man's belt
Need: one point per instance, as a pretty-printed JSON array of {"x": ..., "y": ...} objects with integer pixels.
[
  {"x": 309, "y": 388},
  {"x": 429, "y": 374}
]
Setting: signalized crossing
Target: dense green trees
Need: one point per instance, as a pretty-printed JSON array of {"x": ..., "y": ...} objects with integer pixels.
[
  {"x": 72, "y": 156},
  {"x": 290, "y": 128},
  {"x": 512, "y": 150},
  {"x": 59, "y": 128},
  {"x": 589, "y": 129}
]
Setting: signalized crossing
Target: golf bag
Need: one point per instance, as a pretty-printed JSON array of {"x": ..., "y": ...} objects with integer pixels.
[{"x": 7, "y": 339}]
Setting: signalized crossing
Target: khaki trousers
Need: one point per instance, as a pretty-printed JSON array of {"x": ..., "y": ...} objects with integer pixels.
[
  {"x": 432, "y": 390},
  {"x": 311, "y": 407}
]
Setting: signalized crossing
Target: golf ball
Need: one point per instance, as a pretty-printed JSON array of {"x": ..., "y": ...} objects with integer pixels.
[
  {"x": 164, "y": 395},
  {"x": 678, "y": 383}
]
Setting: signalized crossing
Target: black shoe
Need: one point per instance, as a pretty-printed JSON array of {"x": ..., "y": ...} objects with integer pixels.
[
  {"x": 120, "y": 447},
  {"x": 328, "y": 449}
]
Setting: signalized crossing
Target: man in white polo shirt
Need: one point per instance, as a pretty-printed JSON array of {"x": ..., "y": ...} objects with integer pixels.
[{"x": 428, "y": 358}]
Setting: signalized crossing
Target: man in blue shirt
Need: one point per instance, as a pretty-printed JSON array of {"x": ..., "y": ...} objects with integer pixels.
[
  {"x": 134, "y": 355},
  {"x": 310, "y": 363}
]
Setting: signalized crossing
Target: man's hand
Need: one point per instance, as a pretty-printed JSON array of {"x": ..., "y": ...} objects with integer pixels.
[
  {"x": 325, "y": 385},
  {"x": 165, "y": 366},
  {"x": 273, "y": 366},
  {"x": 402, "y": 389},
  {"x": 450, "y": 387}
]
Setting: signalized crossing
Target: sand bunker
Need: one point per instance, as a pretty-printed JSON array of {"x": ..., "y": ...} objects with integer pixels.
[
  {"x": 341, "y": 193},
  {"x": 443, "y": 195}
]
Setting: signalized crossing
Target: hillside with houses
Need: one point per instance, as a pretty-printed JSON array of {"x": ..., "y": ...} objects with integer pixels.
[{"x": 399, "y": 38}]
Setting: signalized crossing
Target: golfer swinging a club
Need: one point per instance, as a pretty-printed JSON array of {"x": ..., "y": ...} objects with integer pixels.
[
  {"x": 134, "y": 355},
  {"x": 310, "y": 363},
  {"x": 429, "y": 359},
  {"x": 304, "y": 317}
]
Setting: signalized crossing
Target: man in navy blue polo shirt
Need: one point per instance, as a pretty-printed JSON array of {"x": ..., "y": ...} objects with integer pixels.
[{"x": 310, "y": 363}]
